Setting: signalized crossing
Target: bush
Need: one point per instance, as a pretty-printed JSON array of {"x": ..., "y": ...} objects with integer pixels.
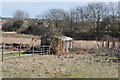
[
  {"x": 18, "y": 23},
  {"x": 74, "y": 49},
  {"x": 7, "y": 26},
  {"x": 36, "y": 30},
  {"x": 12, "y": 26}
]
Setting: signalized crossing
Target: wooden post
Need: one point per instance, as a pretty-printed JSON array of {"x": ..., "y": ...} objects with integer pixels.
[
  {"x": 98, "y": 45},
  {"x": 32, "y": 46},
  {"x": 19, "y": 50},
  {"x": 49, "y": 49},
  {"x": 113, "y": 43},
  {"x": 43, "y": 49},
  {"x": 32, "y": 50},
  {"x": 102, "y": 44},
  {"x": 2, "y": 51}
]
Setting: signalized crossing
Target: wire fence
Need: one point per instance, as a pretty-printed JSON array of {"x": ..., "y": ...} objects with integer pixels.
[{"x": 19, "y": 51}]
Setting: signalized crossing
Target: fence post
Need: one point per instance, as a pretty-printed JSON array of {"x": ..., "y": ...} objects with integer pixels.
[
  {"x": 2, "y": 51},
  {"x": 49, "y": 49},
  {"x": 32, "y": 46},
  {"x": 32, "y": 50},
  {"x": 19, "y": 50},
  {"x": 43, "y": 49}
]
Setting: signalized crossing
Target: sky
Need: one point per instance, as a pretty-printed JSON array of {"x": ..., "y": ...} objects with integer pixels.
[
  {"x": 37, "y": 7},
  {"x": 59, "y": 0}
]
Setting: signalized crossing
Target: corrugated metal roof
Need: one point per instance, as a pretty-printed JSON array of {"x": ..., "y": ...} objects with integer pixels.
[{"x": 65, "y": 38}]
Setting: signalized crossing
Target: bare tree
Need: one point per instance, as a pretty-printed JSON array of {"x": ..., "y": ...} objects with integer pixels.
[
  {"x": 112, "y": 9},
  {"x": 21, "y": 14},
  {"x": 82, "y": 19},
  {"x": 55, "y": 15},
  {"x": 119, "y": 9},
  {"x": 91, "y": 20},
  {"x": 71, "y": 19},
  {"x": 56, "y": 19},
  {"x": 96, "y": 13}
]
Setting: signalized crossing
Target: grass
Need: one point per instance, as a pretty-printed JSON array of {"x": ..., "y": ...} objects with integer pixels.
[
  {"x": 52, "y": 66},
  {"x": 70, "y": 75},
  {"x": 6, "y": 50},
  {"x": 6, "y": 71},
  {"x": 10, "y": 54},
  {"x": 14, "y": 55}
]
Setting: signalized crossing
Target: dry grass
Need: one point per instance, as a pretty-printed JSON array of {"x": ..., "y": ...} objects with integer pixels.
[
  {"x": 19, "y": 38},
  {"x": 51, "y": 66},
  {"x": 90, "y": 44}
]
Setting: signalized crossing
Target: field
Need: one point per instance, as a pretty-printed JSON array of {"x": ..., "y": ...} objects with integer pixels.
[
  {"x": 60, "y": 66},
  {"x": 80, "y": 65},
  {"x": 12, "y": 37},
  {"x": 92, "y": 44}
]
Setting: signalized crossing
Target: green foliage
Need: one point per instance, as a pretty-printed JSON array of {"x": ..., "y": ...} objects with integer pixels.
[
  {"x": 7, "y": 26},
  {"x": 12, "y": 26},
  {"x": 74, "y": 49},
  {"x": 18, "y": 23},
  {"x": 36, "y": 30}
]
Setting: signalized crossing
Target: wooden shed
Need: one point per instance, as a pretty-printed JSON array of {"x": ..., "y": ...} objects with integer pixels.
[
  {"x": 60, "y": 43},
  {"x": 66, "y": 43}
]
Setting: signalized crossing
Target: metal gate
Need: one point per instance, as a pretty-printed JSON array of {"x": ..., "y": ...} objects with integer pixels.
[{"x": 45, "y": 49}]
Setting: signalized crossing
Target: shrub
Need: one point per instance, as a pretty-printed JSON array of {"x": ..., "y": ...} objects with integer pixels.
[
  {"x": 12, "y": 26},
  {"x": 36, "y": 30},
  {"x": 74, "y": 49}
]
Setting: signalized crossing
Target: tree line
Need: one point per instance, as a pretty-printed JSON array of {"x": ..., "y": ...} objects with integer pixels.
[{"x": 89, "y": 22}]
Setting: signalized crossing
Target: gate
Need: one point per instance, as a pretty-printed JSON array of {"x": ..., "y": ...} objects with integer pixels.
[{"x": 45, "y": 49}]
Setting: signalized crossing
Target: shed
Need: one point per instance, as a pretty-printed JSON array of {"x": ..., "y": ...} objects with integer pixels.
[
  {"x": 61, "y": 43},
  {"x": 66, "y": 43}
]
